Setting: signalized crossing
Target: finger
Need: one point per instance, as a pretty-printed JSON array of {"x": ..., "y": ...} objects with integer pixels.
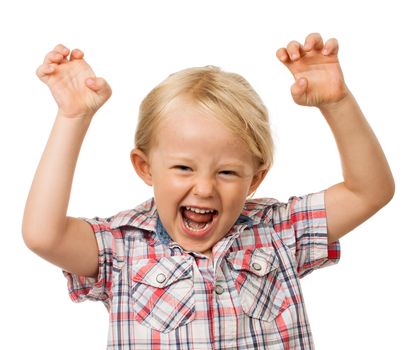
[
  {"x": 313, "y": 41},
  {"x": 294, "y": 50},
  {"x": 76, "y": 54},
  {"x": 331, "y": 47},
  {"x": 298, "y": 89},
  {"x": 62, "y": 49},
  {"x": 282, "y": 55},
  {"x": 100, "y": 86},
  {"x": 53, "y": 57},
  {"x": 45, "y": 69}
]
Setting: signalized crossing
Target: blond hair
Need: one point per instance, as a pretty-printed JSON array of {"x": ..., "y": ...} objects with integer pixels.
[{"x": 227, "y": 96}]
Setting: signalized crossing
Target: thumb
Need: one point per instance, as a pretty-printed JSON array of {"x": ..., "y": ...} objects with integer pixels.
[
  {"x": 100, "y": 86},
  {"x": 298, "y": 90}
]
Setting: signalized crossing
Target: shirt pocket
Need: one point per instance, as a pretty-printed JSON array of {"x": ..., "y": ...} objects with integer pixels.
[
  {"x": 162, "y": 292},
  {"x": 255, "y": 275}
]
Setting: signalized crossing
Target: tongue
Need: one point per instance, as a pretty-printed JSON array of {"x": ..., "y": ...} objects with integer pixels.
[{"x": 197, "y": 217}]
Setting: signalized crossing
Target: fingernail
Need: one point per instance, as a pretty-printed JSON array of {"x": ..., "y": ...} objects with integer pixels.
[
  {"x": 50, "y": 69},
  {"x": 325, "y": 51},
  {"x": 89, "y": 81}
]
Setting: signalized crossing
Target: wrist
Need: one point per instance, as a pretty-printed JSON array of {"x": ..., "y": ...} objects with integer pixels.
[
  {"x": 80, "y": 121},
  {"x": 76, "y": 116},
  {"x": 333, "y": 107},
  {"x": 82, "y": 118}
]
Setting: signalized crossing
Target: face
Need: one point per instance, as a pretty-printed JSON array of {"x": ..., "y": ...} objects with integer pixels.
[{"x": 201, "y": 174}]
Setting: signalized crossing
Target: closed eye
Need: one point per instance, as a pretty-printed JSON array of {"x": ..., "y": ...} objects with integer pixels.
[
  {"x": 182, "y": 168},
  {"x": 228, "y": 172}
]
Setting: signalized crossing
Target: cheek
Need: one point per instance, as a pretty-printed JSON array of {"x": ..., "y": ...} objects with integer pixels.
[
  {"x": 168, "y": 185},
  {"x": 239, "y": 188},
  {"x": 235, "y": 195}
]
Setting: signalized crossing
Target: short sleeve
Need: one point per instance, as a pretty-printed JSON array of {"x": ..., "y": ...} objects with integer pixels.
[
  {"x": 302, "y": 225},
  {"x": 83, "y": 288}
]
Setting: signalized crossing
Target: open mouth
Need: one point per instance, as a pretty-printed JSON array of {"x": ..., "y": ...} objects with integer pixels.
[{"x": 198, "y": 220}]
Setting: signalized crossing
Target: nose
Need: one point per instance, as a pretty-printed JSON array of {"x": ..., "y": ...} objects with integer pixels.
[{"x": 203, "y": 187}]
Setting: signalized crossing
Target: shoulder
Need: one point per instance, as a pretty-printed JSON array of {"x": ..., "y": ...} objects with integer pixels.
[
  {"x": 261, "y": 203},
  {"x": 261, "y": 210},
  {"x": 142, "y": 216},
  {"x": 271, "y": 209}
]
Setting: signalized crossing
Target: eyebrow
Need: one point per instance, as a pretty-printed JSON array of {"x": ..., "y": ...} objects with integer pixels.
[
  {"x": 232, "y": 165},
  {"x": 171, "y": 158},
  {"x": 186, "y": 159}
]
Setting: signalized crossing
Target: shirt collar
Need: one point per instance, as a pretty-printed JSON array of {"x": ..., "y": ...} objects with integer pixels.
[{"x": 144, "y": 217}]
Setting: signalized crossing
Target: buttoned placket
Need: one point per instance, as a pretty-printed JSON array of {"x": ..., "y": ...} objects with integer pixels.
[{"x": 222, "y": 298}]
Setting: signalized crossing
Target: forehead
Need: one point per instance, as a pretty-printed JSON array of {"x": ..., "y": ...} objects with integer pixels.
[{"x": 187, "y": 127}]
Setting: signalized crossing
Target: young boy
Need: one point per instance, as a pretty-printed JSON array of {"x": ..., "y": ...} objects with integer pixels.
[{"x": 200, "y": 266}]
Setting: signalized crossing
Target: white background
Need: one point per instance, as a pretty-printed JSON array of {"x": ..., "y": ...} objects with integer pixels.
[{"x": 365, "y": 302}]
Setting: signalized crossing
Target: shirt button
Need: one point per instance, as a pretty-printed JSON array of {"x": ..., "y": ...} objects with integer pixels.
[
  {"x": 219, "y": 289},
  {"x": 257, "y": 266},
  {"x": 161, "y": 278}
]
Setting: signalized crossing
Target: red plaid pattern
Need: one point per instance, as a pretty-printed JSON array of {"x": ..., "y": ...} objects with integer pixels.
[
  {"x": 247, "y": 297},
  {"x": 163, "y": 295}
]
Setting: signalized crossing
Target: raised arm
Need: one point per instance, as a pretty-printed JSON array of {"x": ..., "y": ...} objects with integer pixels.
[
  {"x": 64, "y": 241},
  {"x": 368, "y": 182}
]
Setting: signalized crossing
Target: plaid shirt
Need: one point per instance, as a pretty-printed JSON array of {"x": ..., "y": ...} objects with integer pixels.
[{"x": 248, "y": 296}]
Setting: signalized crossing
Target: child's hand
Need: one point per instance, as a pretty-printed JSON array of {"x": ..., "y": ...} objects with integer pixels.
[
  {"x": 319, "y": 80},
  {"x": 76, "y": 89}
]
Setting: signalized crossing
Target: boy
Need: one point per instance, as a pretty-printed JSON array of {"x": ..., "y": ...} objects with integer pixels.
[{"x": 199, "y": 266}]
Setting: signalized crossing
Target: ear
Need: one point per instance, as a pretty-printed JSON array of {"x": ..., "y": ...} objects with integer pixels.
[
  {"x": 257, "y": 179},
  {"x": 141, "y": 164}
]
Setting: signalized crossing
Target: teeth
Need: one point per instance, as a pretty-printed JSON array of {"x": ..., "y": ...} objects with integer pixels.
[
  {"x": 187, "y": 224},
  {"x": 200, "y": 211}
]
